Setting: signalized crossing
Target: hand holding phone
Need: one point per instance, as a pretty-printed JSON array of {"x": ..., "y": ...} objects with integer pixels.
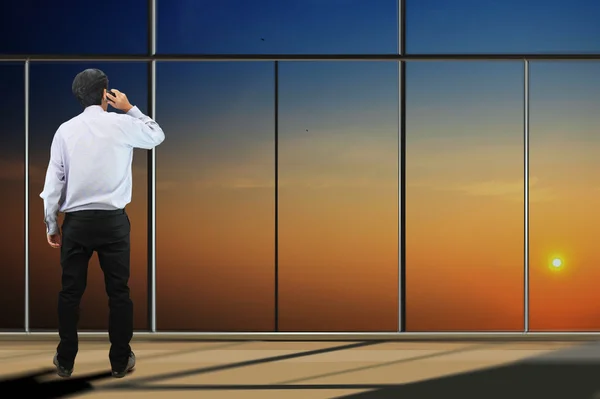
[{"x": 118, "y": 100}]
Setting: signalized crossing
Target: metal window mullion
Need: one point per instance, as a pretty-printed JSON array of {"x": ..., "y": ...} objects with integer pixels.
[
  {"x": 526, "y": 194},
  {"x": 152, "y": 204},
  {"x": 401, "y": 166},
  {"x": 152, "y": 171},
  {"x": 26, "y": 88},
  {"x": 401, "y": 265},
  {"x": 296, "y": 57},
  {"x": 276, "y": 172}
]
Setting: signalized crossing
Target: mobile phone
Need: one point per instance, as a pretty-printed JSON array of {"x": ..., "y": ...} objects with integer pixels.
[{"x": 112, "y": 93}]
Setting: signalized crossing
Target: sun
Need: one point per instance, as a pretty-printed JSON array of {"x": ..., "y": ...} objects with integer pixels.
[{"x": 557, "y": 263}]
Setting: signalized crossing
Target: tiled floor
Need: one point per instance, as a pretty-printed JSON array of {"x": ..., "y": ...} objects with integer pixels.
[{"x": 274, "y": 369}]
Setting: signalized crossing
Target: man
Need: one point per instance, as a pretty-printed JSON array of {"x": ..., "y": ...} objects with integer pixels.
[{"x": 89, "y": 179}]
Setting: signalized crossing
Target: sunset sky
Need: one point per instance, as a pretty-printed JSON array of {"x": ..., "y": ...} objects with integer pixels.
[{"x": 338, "y": 165}]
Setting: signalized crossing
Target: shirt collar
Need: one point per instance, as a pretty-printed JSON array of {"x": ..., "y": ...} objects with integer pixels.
[{"x": 93, "y": 109}]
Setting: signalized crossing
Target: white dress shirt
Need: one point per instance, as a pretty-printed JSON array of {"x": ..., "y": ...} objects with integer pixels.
[{"x": 90, "y": 161}]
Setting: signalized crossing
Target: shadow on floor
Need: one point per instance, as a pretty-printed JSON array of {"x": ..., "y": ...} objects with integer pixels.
[
  {"x": 32, "y": 385},
  {"x": 571, "y": 374},
  {"x": 536, "y": 380}
]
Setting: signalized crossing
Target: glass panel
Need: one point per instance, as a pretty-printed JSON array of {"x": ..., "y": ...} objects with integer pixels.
[
  {"x": 338, "y": 196},
  {"x": 51, "y": 104},
  {"x": 508, "y": 26},
  {"x": 464, "y": 196},
  {"x": 12, "y": 200},
  {"x": 215, "y": 197},
  {"x": 40, "y": 27},
  {"x": 277, "y": 27},
  {"x": 564, "y": 187}
]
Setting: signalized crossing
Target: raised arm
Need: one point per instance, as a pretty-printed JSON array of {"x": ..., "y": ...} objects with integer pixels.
[{"x": 139, "y": 130}]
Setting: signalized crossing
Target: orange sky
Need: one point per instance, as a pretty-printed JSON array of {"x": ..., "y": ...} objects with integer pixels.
[
  {"x": 338, "y": 240},
  {"x": 338, "y": 245},
  {"x": 464, "y": 235}
]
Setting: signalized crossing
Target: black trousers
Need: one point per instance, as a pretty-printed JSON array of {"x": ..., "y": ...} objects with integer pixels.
[{"x": 107, "y": 233}]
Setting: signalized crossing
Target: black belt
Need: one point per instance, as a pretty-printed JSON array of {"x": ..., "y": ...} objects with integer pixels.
[{"x": 96, "y": 212}]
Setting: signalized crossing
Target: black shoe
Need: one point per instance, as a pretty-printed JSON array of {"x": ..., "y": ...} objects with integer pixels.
[
  {"x": 61, "y": 370},
  {"x": 130, "y": 367}
]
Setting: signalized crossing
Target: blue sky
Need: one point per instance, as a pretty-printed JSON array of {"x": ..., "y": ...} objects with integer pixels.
[
  {"x": 507, "y": 26},
  {"x": 302, "y": 26}
]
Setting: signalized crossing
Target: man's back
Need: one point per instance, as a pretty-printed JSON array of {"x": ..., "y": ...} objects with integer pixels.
[{"x": 93, "y": 153}]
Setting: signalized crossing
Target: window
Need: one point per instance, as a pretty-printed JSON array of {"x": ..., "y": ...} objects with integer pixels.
[
  {"x": 563, "y": 189},
  {"x": 277, "y": 27},
  {"x": 215, "y": 197},
  {"x": 338, "y": 196},
  {"x": 508, "y": 26},
  {"x": 12, "y": 179},
  {"x": 464, "y": 196},
  {"x": 74, "y": 27},
  {"x": 51, "y": 103}
]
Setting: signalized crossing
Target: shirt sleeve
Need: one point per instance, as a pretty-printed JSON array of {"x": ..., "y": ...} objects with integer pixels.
[
  {"x": 141, "y": 131},
  {"x": 54, "y": 186}
]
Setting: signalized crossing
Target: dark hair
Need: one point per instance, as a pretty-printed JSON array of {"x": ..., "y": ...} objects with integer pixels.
[{"x": 88, "y": 87}]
